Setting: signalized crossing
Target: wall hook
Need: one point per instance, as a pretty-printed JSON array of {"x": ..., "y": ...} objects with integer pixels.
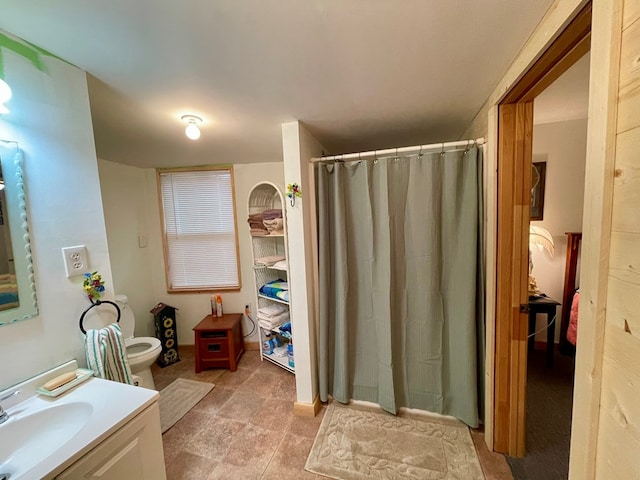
[{"x": 293, "y": 191}]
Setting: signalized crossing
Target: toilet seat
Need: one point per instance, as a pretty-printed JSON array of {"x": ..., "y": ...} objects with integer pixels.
[{"x": 141, "y": 346}]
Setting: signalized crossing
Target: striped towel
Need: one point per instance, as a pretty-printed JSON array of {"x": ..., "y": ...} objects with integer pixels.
[{"x": 107, "y": 354}]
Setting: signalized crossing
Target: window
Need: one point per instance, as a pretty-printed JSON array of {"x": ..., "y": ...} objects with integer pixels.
[{"x": 199, "y": 220}]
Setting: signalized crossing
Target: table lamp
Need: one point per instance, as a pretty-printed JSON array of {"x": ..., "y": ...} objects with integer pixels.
[{"x": 542, "y": 239}]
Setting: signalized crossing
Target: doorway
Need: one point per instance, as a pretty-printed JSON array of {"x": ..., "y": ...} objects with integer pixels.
[{"x": 515, "y": 151}]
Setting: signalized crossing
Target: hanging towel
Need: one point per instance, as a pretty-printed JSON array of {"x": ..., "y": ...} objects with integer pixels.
[{"x": 107, "y": 354}]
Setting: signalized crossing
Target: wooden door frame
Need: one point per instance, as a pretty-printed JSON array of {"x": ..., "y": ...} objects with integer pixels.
[{"x": 515, "y": 133}]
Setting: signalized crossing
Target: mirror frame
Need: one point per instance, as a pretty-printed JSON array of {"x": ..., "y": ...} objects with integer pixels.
[{"x": 15, "y": 196}]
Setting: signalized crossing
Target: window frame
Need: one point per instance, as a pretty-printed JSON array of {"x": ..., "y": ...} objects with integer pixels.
[{"x": 165, "y": 249}]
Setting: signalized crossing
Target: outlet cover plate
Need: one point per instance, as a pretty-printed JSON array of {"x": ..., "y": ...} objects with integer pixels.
[{"x": 75, "y": 260}]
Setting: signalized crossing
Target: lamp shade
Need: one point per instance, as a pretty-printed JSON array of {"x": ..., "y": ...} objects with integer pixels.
[{"x": 542, "y": 238}]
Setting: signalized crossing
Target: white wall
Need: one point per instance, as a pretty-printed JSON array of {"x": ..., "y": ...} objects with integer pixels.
[
  {"x": 126, "y": 213},
  {"x": 50, "y": 118},
  {"x": 299, "y": 147},
  {"x": 563, "y": 146},
  {"x": 131, "y": 210}
]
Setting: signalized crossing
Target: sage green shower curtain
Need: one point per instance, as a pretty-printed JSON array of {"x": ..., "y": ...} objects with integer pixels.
[{"x": 401, "y": 288}]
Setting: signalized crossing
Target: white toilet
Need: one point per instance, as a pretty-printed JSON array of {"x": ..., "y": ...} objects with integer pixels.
[{"x": 141, "y": 351}]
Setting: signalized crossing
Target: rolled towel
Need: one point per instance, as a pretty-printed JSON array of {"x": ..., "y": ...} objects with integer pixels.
[{"x": 273, "y": 224}]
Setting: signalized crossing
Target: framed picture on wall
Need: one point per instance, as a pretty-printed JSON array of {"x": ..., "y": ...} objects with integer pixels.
[{"x": 538, "y": 174}]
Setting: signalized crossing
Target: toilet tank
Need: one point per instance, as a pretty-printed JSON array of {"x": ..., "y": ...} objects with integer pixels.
[{"x": 127, "y": 320}]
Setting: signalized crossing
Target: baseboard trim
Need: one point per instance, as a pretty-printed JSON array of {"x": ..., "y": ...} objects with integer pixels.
[{"x": 307, "y": 409}]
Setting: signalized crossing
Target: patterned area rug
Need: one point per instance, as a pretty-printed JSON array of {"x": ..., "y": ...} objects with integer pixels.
[
  {"x": 177, "y": 398},
  {"x": 358, "y": 443}
]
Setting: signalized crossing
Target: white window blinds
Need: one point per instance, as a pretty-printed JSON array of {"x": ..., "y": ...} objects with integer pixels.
[{"x": 199, "y": 223}]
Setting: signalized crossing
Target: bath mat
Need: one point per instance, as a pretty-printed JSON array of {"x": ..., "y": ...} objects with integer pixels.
[
  {"x": 358, "y": 443},
  {"x": 177, "y": 398}
]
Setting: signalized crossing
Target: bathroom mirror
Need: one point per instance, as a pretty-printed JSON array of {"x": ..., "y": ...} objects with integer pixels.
[{"x": 18, "y": 299}]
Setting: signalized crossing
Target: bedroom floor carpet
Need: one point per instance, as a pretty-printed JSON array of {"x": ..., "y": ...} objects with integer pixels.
[{"x": 549, "y": 404}]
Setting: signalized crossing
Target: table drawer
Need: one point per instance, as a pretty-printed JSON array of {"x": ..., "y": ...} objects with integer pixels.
[{"x": 213, "y": 347}]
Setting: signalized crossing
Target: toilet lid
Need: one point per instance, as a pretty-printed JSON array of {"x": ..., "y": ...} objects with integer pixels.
[{"x": 127, "y": 321}]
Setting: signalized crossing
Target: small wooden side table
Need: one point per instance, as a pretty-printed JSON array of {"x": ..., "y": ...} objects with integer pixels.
[
  {"x": 219, "y": 342},
  {"x": 546, "y": 306}
]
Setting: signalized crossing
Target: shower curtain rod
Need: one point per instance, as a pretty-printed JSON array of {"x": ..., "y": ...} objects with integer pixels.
[{"x": 401, "y": 150}]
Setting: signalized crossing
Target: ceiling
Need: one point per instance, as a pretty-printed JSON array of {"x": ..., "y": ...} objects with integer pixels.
[{"x": 360, "y": 74}]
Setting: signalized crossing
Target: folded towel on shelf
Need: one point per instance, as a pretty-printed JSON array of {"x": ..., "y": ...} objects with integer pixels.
[
  {"x": 272, "y": 322},
  {"x": 272, "y": 311},
  {"x": 107, "y": 354},
  {"x": 276, "y": 289},
  {"x": 259, "y": 232},
  {"x": 271, "y": 214},
  {"x": 281, "y": 265},
  {"x": 269, "y": 260},
  {"x": 274, "y": 225}
]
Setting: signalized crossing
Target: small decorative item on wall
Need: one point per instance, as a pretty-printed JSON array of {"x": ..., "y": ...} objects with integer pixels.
[
  {"x": 538, "y": 174},
  {"x": 293, "y": 191},
  {"x": 93, "y": 286}
]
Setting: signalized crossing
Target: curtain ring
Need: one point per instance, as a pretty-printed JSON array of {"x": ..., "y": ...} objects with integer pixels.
[
  {"x": 375, "y": 157},
  {"x": 420, "y": 152},
  {"x": 442, "y": 151},
  {"x": 466, "y": 149}
]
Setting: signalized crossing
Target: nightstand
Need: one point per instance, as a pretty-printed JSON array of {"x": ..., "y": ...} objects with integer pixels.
[{"x": 219, "y": 342}]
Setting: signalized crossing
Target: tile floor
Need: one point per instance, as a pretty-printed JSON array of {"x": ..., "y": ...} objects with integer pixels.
[{"x": 245, "y": 428}]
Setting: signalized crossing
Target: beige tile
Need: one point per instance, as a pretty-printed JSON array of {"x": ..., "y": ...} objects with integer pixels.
[
  {"x": 187, "y": 466},
  {"x": 214, "y": 400},
  {"x": 212, "y": 375},
  {"x": 263, "y": 383},
  {"x": 253, "y": 448},
  {"x": 213, "y": 441},
  {"x": 274, "y": 414},
  {"x": 307, "y": 426},
  {"x": 286, "y": 386},
  {"x": 290, "y": 458},
  {"x": 232, "y": 472},
  {"x": 235, "y": 379},
  {"x": 182, "y": 432},
  {"x": 241, "y": 406},
  {"x": 250, "y": 360},
  {"x": 249, "y": 413}
]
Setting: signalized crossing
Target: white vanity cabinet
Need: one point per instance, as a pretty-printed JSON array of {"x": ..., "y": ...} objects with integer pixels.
[{"x": 133, "y": 452}]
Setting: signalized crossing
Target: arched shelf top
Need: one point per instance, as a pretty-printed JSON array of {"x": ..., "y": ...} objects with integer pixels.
[{"x": 265, "y": 196}]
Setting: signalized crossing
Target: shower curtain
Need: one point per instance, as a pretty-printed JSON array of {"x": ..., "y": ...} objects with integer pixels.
[{"x": 401, "y": 287}]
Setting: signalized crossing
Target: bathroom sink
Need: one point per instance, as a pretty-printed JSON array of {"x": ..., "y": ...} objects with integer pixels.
[{"x": 31, "y": 436}]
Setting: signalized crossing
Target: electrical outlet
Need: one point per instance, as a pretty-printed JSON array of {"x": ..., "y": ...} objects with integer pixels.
[
  {"x": 75, "y": 260},
  {"x": 247, "y": 309}
]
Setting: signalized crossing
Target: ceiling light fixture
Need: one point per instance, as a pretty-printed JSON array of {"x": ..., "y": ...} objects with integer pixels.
[
  {"x": 5, "y": 96},
  {"x": 192, "y": 131}
]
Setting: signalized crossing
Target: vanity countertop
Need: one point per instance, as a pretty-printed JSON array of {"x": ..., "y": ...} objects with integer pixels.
[{"x": 104, "y": 406}]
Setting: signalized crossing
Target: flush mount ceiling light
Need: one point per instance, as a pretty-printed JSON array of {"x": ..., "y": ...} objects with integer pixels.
[
  {"x": 192, "y": 131},
  {"x": 5, "y": 96}
]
